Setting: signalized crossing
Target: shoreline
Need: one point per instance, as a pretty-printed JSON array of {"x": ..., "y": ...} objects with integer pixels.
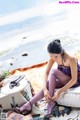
[{"x": 30, "y": 53}]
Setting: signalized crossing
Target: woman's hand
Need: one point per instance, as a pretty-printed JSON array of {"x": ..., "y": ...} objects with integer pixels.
[
  {"x": 47, "y": 95},
  {"x": 56, "y": 95}
]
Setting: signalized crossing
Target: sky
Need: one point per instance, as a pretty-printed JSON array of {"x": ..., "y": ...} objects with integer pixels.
[
  {"x": 10, "y": 6},
  {"x": 35, "y": 19}
]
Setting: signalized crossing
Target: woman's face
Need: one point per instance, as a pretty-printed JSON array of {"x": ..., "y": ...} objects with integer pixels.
[{"x": 55, "y": 57}]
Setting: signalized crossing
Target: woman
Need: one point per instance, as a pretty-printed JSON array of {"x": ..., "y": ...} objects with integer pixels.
[{"x": 67, "y": 75}]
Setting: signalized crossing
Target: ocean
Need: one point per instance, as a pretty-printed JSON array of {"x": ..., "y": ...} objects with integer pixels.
[{"x": 28, "y": 26}]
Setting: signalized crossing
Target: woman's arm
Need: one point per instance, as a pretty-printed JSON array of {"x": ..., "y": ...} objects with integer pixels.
[
  {"x": 49, "y": 65},
  {"x": 46, "y": 92}
]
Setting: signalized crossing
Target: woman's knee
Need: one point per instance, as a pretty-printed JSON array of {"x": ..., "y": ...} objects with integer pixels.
[{"x": 52, "y": 74}]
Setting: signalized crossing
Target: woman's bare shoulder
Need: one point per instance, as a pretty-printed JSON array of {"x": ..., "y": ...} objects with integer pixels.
[{"x": 71, "y": 59}]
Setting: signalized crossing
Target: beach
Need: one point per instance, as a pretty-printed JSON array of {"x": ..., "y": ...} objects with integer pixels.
[
  {"x": 25, "y": 31},
  {"x": 31, "y": 53},
  {"x": 26, "y": 28}
]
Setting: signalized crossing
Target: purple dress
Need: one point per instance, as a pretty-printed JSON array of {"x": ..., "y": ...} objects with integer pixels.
[{"x": 66, "y": 70}]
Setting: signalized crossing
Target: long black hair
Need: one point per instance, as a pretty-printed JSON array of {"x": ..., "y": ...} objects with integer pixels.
[{"x": 55, "y": 47}]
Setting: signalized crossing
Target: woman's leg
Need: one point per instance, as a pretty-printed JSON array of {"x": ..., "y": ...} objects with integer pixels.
[
  {"x": 56, "y": 79},
  {"x": 52, "y": 84},
  {"x": 34, "y": 99}
]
